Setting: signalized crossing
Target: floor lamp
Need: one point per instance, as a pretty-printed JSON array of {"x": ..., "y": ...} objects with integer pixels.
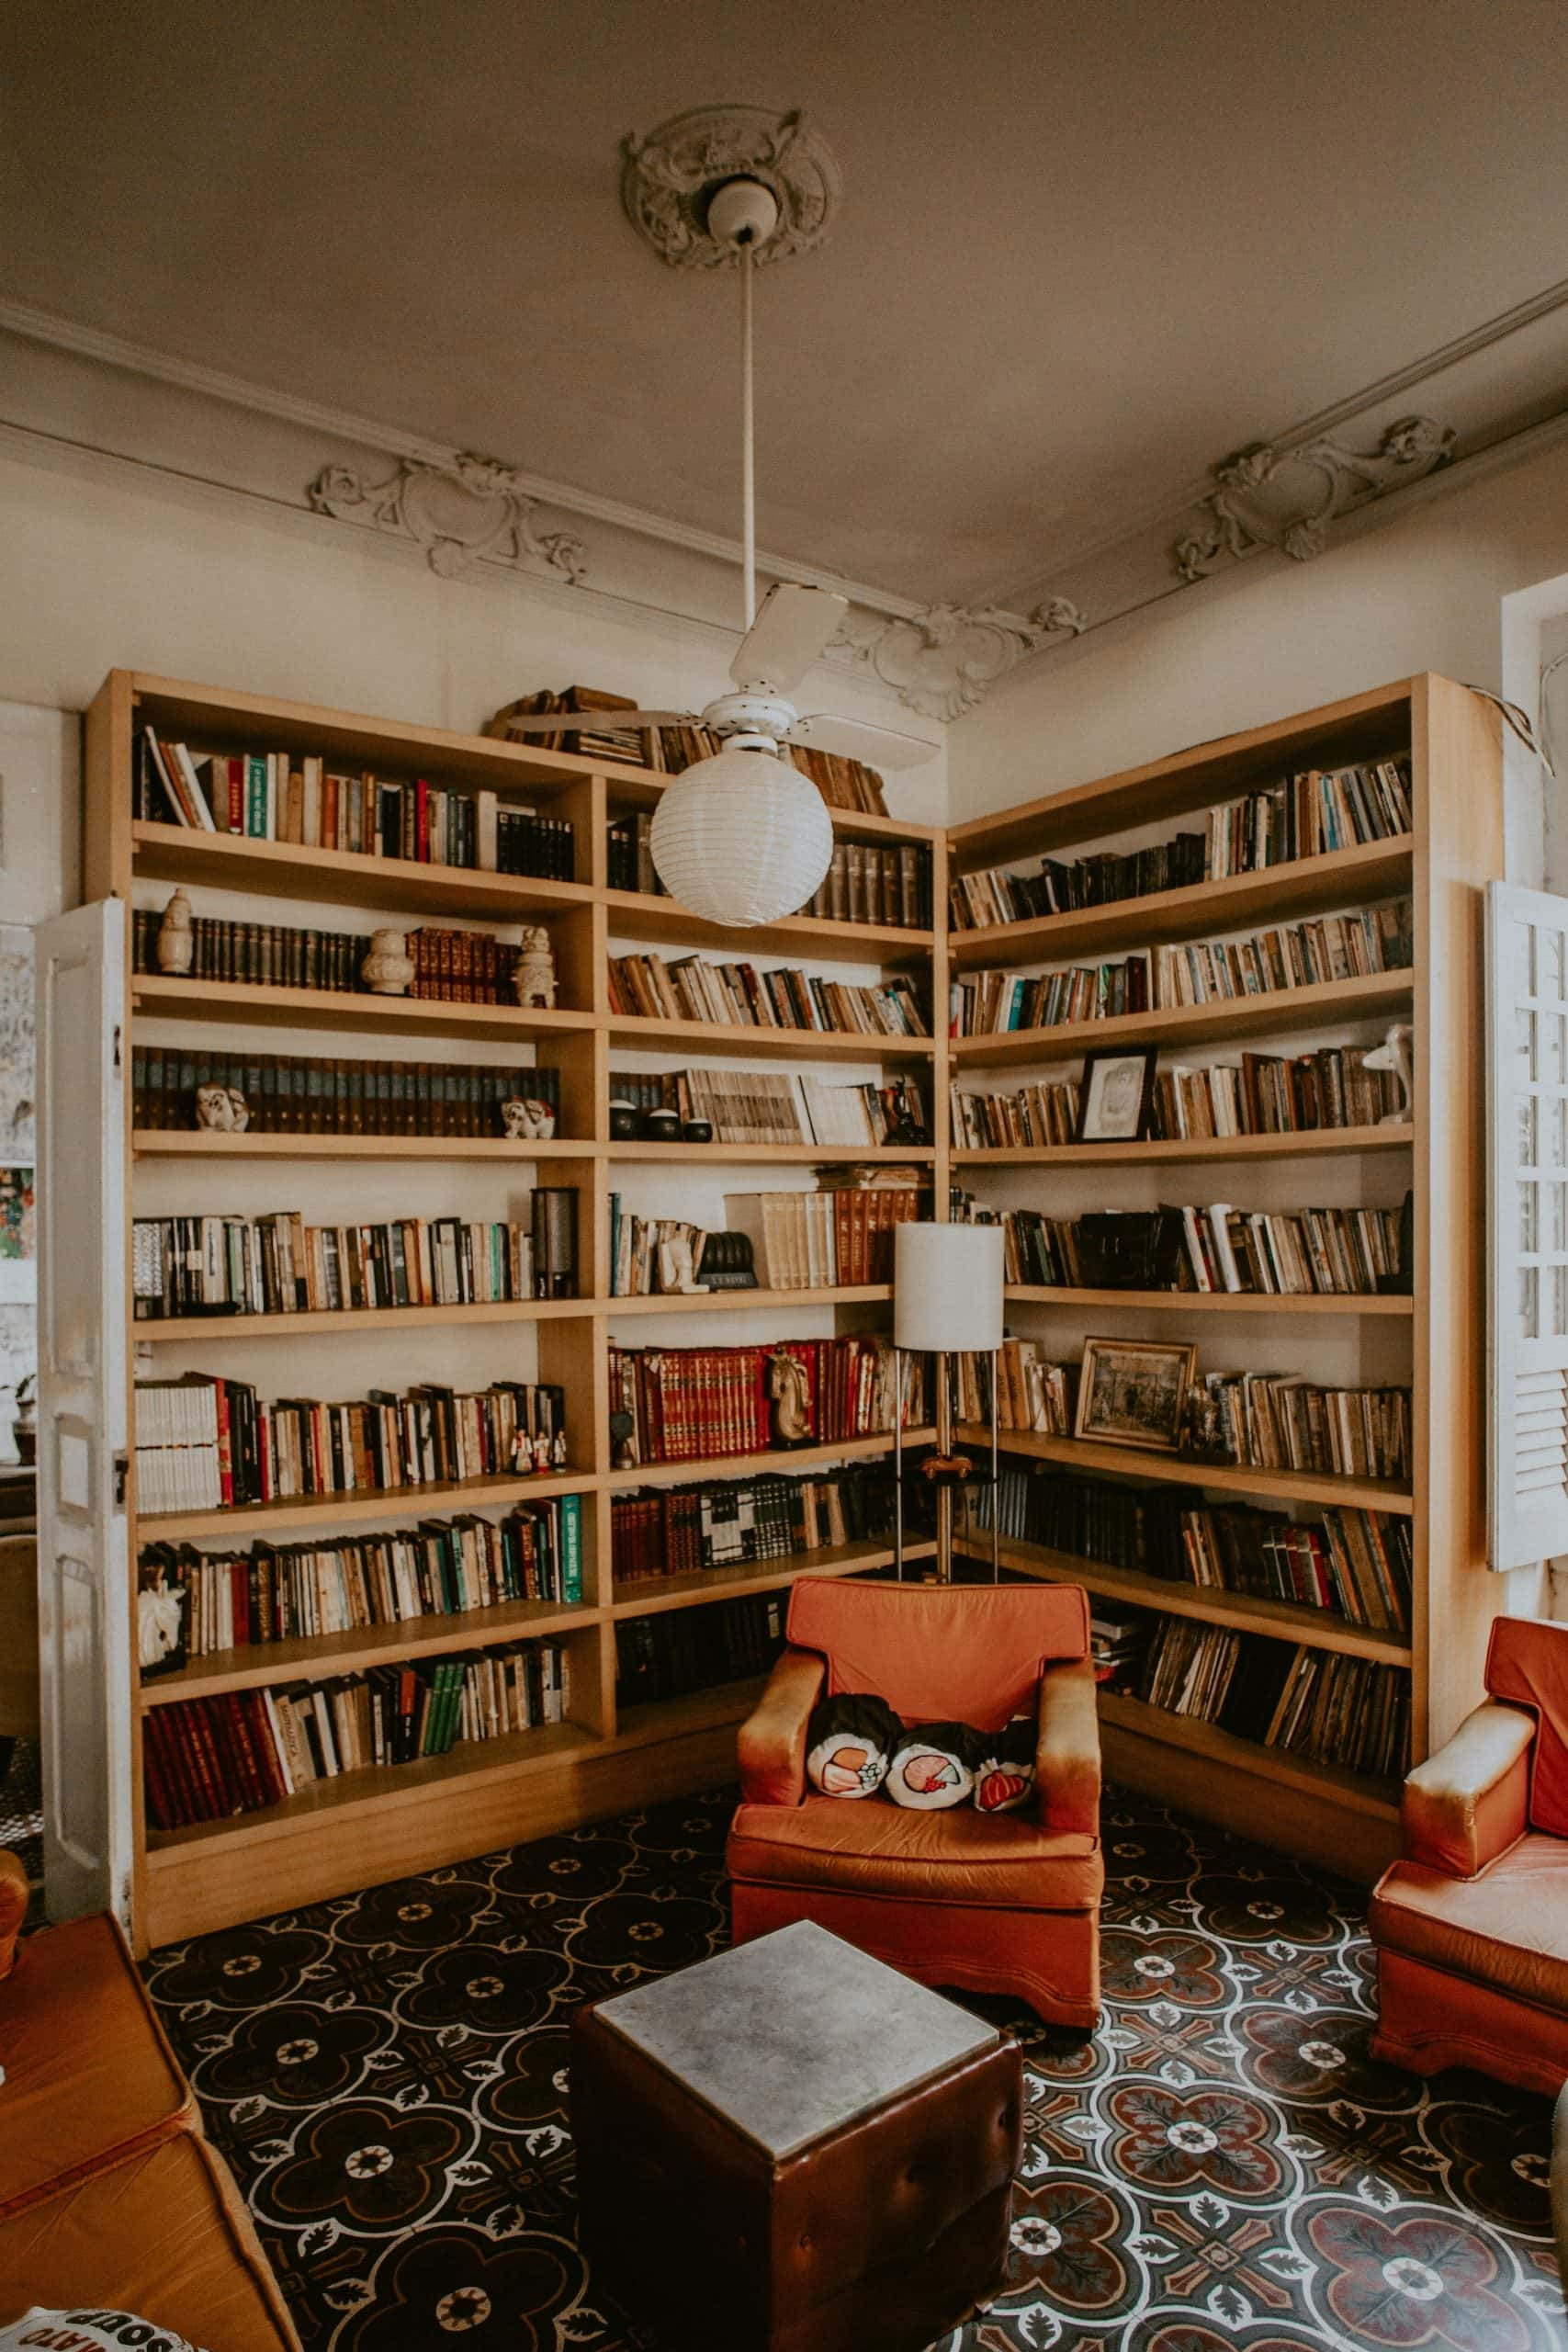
[{"x": 947, "y": 1299}]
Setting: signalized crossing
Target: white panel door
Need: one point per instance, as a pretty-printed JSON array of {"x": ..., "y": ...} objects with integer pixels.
[{"x": 84, "y": 1579}]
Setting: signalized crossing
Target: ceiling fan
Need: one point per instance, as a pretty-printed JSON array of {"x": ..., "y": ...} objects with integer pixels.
[{"x": 744, "y": 837}]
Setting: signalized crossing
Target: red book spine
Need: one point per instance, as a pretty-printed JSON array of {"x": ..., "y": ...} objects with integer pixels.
[
  {"x": 225, "y": 1443},
  {"x": 422, "y": 821},
  {"x": 165, "y": 1814}
]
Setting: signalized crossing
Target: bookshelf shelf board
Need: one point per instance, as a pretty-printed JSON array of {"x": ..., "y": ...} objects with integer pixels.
[
  {"x": 720, "y": 1301},
  {"x": 344, "y": 877},
  {"x": 196, "y": 1143},
  {"x": 1324, "y": 1140},
  {"x": 751, "y": 1465},
  {"x": 651, "y": 1596},
  {"x": 1374, "y": 869},
  {"x": 632, "y": 787},
  {"x": 186, "y": 1000},
  {"x": 374, "y": 1502},
  {"x": 181, "y": 1329},
  {"x": 721, "y": 1705},
  {"x": 1318, "y": 1629},
  {"x": 313, "y": 1657},
  {"x": 642, "y": 914},
  {"x": 1223, "y": 1477},
  {"x": 770, "y": 1155},
  {"x": 789, "y": 1044},
  {"x": 1217, "y": 1302},
  {"x": 471, "y": 1762},
  {"x": 1371, "y": 726},
  {"x": 1354, "y": 1790},
  {"x": 1326, "y": 1002}
]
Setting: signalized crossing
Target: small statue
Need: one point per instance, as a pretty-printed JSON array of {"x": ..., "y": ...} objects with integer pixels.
[
  {"x": 160, "y": 1624},
  {"x": 677, "y": 1267},
  {"x": 535, "y": 979},
  {"x": 623, "y": 1454},
  {"x": 526, "y": 1119},
  {"x": 789, "y": 1390},
  {"x": 388, "y": 970},
  {"x": 176, "y": 938},
  {"x": 222, "y": 1110},
  {"x": 1394, "y": 1055}
]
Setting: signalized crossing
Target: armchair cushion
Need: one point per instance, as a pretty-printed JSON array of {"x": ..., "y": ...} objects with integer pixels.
[
  {"x": 848, "y": 1742},
  {"x": 970, "y": 1654},
  {"x": 961, "y": 1858},
  {"x": 1467, "y": 1804},
  {"x": 1067, "y": 1754},
  {"x": 1507, "y": 1928},
  {"x": 1527, "y": 1663}
]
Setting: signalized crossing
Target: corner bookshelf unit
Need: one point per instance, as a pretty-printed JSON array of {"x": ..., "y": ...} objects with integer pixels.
[{"x": 375, "y": 1823}]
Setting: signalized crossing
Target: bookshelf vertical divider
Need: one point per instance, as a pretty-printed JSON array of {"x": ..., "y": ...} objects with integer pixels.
[{"x": 376, "y": 1824}]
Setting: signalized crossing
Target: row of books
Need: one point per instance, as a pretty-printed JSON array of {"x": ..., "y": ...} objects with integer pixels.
[
  {"x": 204, "y": 1443},
  {"x": 308, "y": 1095},
  {"x": 1313, "y": 1704},
  {"x": 208, "y": 1759},
  {"x": 1262, "y": 1094},
  {"x": 1357, "y": 1565},
  {"x": 279, "y": 1265},
  {"x": 833, "y": 1236},
  {"x": 736, "y": 1522},
  {"x": 690, "y": 1649},
  {"x": 270, "y": 796},
  {"x": 285, "y": 1592},
  {"x": 1290, "y": 956},
  {"x": 695, "y": 1404},
  {"x": 1328, "y": 1253},
  {"x": 1309, "y": 815},
  {"x": 764, "y": 1107},
  {"x": 257, "y": 954},
  {"x": 863, "y": 885},
  {"x": 738, "y": 995}
]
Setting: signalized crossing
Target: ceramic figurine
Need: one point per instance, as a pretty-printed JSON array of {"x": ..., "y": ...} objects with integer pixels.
[
  {"x": 160, "y": 1616},
  {"x": 387, "y": 970},
  {"x": 526, "y": 1119},
  {"x": 677, "y": 1268},
  {"x": 789, "y": 1389},
  {"x": 222, "y": 1110},
  {"x": 176, "y": 939},
  {"x": 1394, "y": 1055},
  {"x": 535, "y": 979}
]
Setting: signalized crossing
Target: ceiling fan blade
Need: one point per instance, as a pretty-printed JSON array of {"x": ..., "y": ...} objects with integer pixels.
[
  {"x": 854, "y": 738},
  {"x": 787, "y": 635},
  {"x": 599, "y": 722}
]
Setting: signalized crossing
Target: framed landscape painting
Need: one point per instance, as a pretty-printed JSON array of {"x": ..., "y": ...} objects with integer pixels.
[{"x": 1134, "y": 1392}]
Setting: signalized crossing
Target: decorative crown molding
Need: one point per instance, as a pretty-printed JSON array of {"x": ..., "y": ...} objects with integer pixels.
[
  {"x": 943, "y": 660},
  {"x": 462, "y": 510},
  {"x": 1240, "y": 516},
  {"x": 667, "y": 175}
]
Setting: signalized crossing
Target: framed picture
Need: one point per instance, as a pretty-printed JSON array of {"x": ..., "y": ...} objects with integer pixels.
[
  {"x": 1134, "y": 1392},
  {"x": 1116, "y": 1097}
]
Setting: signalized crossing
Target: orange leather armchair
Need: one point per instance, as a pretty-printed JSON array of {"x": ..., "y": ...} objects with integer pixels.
[
  {"x": 1471, "y": 1924},
  {"x": 994, "y": 1903}
]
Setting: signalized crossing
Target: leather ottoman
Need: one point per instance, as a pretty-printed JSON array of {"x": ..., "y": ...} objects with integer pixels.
[{"x": 792, "y": 2148}]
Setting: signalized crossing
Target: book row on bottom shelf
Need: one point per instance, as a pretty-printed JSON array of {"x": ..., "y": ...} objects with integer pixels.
[
  {"x": 196, "y": 1604},
  {"x": 688, "y": 1404},
  {"x": 1262, "y": 1094},
  {"x": 1347, "y": 1711},
  {"x": 179, "y": 1086},
  {"x": 737, "y": 1522},
  {"x": 1351, "y": 1563},
  {"x": 1149, "y": 1394},
  {"x": 208, "y": 1759},
  {"x": 690, "y": 1649}
]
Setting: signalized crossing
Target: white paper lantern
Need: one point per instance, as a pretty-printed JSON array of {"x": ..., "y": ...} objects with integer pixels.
[{"x": 742, "y": 838}]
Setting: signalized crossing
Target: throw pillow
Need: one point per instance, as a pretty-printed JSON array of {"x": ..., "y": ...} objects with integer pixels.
[
  {"x": 848, "y": 1743},
  {"x": 44, "y": 2331},
  {"x": 932, "y": 1766},
  {"x": 1004, "y": 1771}
]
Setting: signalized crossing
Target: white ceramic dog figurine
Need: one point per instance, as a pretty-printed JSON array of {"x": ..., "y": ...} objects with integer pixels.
[
  {"x": 222, "y": 1110},
  {"x": 526, "y": 1119}
]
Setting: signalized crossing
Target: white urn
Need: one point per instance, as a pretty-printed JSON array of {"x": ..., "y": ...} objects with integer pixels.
[{"x": 387, "y": 970}]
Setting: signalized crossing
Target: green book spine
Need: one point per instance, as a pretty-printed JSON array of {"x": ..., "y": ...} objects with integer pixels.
[
  {"x": 570, "y": 1548},
  {"x": 255, "y": 795}
]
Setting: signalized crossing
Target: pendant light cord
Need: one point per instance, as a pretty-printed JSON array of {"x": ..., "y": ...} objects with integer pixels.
[{"x": 748, "y": 444}]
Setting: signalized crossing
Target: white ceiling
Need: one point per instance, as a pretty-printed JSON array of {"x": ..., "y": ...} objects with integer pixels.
[{"x": 1082, "y": 253}]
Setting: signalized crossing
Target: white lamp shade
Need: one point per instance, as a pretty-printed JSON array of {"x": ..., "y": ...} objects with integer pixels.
[
  {"x": 742, "y": 838},
  {"x": 947, "y": 1287}
]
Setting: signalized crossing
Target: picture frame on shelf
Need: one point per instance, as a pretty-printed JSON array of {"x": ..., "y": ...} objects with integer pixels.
[
  {"x": 1117, "y": 1097},
  {"x": 1134, "y": 1392}
]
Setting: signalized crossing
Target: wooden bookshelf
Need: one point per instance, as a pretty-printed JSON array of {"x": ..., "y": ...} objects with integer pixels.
[
  {"x": 375, "y": 1825},
  {"x": 1214, "y": 1302}
]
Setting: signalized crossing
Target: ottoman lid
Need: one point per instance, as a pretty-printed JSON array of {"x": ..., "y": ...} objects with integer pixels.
[{"x": 795, "y": 2035}]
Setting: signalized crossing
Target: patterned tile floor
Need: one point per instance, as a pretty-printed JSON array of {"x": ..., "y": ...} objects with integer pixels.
[{"x": 1225, "y": 2165}]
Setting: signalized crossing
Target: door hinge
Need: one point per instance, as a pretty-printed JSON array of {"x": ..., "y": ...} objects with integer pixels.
[
  {"x": 121, "y": 1477},
  {"x": 117, "y": 1045}
]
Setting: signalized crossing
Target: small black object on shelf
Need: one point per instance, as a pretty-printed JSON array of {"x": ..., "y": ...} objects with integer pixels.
[
  {"x": 1130, "y": 1249},
  {"x": 660, "y": 1126},
  {"x": 1401, "y": 1285},
  {"x": 727, "y": 1262},
  {"x": 698, "y": 1131},
  {"x": 625, "y": 1122}
]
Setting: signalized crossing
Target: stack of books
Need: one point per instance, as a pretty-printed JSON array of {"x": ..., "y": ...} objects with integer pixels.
[
  {"x": 1321, "y": 1252},
  {"x": 299, "y": 1094},
  {"x": 764, "y": 1107},
  {"x": 208, "y": 1758},
  {"x": 1358, "y": 1563},
  {"x": 279, "y": 1265},
  {"x": 1263, "y": 1094},
  {"x": 738, "y": 995},
  {"x": 691, "y": 1649},
  {"x": 737, "y": 1523},
  {"x": 282, "y": 1592},
  {"x": 1282, "y": 1421},
  {"x": 691, "y": 1404},
  {"x": 840, "y": 1235},
  {"x": 1346, "y": 1711}
]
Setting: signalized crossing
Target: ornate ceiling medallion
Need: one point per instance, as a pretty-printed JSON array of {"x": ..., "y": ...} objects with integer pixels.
[
  {"x": 468, "y": 512},
  {"x": 942, "y": 662},
  {"x": 1258, "y": 504},
  {"x": 668, "y": 174}
]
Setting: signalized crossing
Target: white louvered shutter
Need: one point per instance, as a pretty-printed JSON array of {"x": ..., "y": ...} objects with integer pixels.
[{"x": 1526, "y": 1105}]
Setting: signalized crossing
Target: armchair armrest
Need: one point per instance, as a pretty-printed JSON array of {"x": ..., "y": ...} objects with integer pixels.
[
  {"x": 773, "y": 1739},
  {"x": 1066, "y": 1751},
  {"x": 1468, "y": 1803},
  {"x": 13, "y": 1907}
]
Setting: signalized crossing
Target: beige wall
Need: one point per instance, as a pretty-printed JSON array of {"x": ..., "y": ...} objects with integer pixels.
[{"x": 1423, "y": 593}]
